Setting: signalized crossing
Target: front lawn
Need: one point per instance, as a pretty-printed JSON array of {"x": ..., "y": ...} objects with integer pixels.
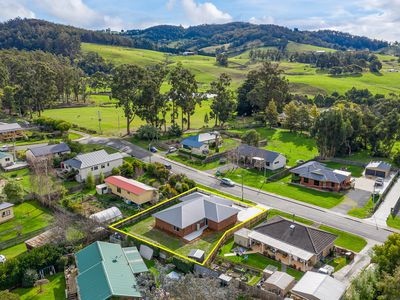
[
  {"x": 294, "y": 146},
  {"x": 255, "y": 260},
  {"x": 282, "y": 187},
  {"x": 54, "y": 290},
  {"x": 338, "y": 262},
  {"x": 274, "y": 212},
  {"x": 28, "y": 216},
  {"x": 362, "y": 212},
  {"x": 346, "y": 240},
  {"x": 194, "y": 163},
  {"x": 393, "y": 221},
  {"x": 145, "y": 228}
]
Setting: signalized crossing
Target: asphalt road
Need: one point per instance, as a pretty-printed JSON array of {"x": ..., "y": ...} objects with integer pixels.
[{"x": 319, "y": 215}]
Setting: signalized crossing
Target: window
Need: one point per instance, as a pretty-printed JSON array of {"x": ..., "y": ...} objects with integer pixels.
[
  {"x": 95, "y": 167},
  {"x": 305, "y": 180},
  {"x": 118, "y": 190},
  {"x": 103, "y": 166},
  {"x": 332, "y": 184},
  {"x": 6, "y": 213},
  {"x": 316, "y": 182},
  {"x": 277, "y": 162},
  {"x": 267, "y": 163},
  {"x": 108, "y": 164},
  {"x": 176, "y": 228},
  {"x": 7, "y": 159}
]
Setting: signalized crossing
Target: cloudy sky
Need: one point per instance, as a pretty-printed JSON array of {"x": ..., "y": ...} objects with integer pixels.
[{"x": 373, "y": 18}]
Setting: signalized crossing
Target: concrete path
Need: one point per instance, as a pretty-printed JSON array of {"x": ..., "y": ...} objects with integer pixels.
[{"x": 384, "y": 210}]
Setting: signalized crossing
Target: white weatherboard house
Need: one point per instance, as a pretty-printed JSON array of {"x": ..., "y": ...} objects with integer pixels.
[
  {"x": 96, "y": 162},
  {"x": 6, "y": 159}
]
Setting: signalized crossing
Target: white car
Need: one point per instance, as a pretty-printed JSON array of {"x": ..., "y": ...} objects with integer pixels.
[
  {"x": 227, "y": 181},
  {"x": 2, "y": 259}
]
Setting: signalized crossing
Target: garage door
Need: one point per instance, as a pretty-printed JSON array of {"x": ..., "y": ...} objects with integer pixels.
[
  {"x": 380, "y": 174},
  {"x": 370, "y": 172}
]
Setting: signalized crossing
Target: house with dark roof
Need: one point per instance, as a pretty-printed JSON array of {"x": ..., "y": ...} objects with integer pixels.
[
  {"x": 260, "y": 158},
  {"x": 47, "y": 151},
  {"x": 96, "y": 162},
  {"x": 378, "y": 169},
  {"x": 196, "y": 213},
  {"x": 291, "y": 243},
  {"x": 317, "y": 175},
  {"x": 108, "y": 271},
  {"x": 130, "y": 190}
]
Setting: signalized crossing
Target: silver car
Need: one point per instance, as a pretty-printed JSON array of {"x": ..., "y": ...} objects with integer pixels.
[{"x": 227, "y": 181}]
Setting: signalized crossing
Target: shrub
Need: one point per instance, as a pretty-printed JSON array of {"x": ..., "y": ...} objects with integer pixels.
[
  {"x": 29, "y": 278},
  {"x": 14, "y": 191},
  {"x": 148, "y": 132},
  {"x": 116, "y": 171},
  {"x": 90, "y": 182},
  {"x": 101, "y": 178},
  {"x": 126, "y": 169},
  {"x": 175, "y": 131},
  {"x": 251, "y": 137}
]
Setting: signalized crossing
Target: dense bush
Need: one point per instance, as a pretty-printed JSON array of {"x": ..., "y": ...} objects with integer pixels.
[
  {"x": 29, "y": 278},
  {"x": 148, "y": 132},
  {"x": 175, "y": 131},
  {"x": 52, "y": 124},
  {"x": 14, "y": 192},
  {"x": 13, "y": 270}
]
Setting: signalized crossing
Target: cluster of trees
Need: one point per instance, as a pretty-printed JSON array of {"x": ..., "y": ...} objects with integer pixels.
[
  {"x": 339, "y": 62},
  {"x": 138, "y": 91},
  {"x": 32, "y": 34},
  {"x": 382, "y": 279}
]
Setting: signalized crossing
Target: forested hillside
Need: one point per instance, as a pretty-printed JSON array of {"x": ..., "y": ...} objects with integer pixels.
[
  {"x": 237, "y": 35},
  {"x": 32, "y": 34}
]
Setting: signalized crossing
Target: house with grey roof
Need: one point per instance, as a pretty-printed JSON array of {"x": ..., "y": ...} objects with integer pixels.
[
  {"x": 260, "y": 158},
  {"x": 6, "y": 211},
  {"x": 47, "y": 151},
  {"x": 96, "y": 162},
  {"x": 108, "y": 271},
  {"x": 291, "y": 243},
  {"x": 378, "y": 169},
  {"x": 189, "y": 218},
  {"x": 6, "y": 159},
  {"x": 317, "y": 175},
  {"x": 9, "y": 131}
]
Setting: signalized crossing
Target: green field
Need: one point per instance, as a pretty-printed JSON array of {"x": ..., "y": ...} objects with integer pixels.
[
  {"x": 14, "y": 251},
  {"x": 88, "y": 117},
  {"x": 22, "y": 176},
  {"x": 28, "y": 217},
  {"x": 346, "y": 240},
  {"x": 294, "y": 146},
  {"x": 54, "y": 290}
]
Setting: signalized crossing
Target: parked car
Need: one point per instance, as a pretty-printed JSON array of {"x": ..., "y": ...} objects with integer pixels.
[
  {"x": 4, "y": 148},
  {"x": 2, "y": 259},
  {"x": 327, "y": 270},
  {"x": 227, "y": 181},
  {"x": 299, "y": 161},
  {"x": 172, "y": 149},
  {"x": 168, "y": 167},
  {"x": 153, "y": 149},
  {"x": 379, "y": 181}
]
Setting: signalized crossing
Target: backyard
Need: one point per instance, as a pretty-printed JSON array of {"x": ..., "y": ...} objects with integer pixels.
[
  {"x": 29, "y": 217},
  {"x": 145, "y": 229},
  {"x": 54, "y": 290}
]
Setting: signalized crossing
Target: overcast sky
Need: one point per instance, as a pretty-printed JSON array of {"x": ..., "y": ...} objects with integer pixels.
[{"x": 373, "y": 18}]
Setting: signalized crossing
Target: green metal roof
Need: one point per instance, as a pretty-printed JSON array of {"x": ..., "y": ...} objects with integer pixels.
[{"x": 107, "y": 270}]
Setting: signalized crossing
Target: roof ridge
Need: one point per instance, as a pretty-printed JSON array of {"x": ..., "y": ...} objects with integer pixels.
[
  {"x": 310, "y": 237},
  {"x": 104, "y": 269}
]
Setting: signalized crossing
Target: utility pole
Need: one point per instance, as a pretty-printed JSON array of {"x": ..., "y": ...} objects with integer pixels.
[
  {"x": 99, "y": 118},
  {"x": 119, "y": 129}
]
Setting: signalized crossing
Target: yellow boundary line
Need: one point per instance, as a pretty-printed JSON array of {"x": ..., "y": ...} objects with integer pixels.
[{"x": 113, "y": 226}]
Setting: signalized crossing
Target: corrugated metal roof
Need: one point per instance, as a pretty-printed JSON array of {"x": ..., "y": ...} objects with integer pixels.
[
  {"x": 90, "y": 159},
  {"x": 50, "y": 149},
  {"x": 250, "y": 151},
  {"x": 105, "y": 271},
  {"x": 9, "y": 127},
  {"x": 5, "y": 205},
  {"x": 129, "y": 185},
  {"x": 320, "y": 286},
  {"x": 192, "y": 141},
  {"x": 381, "y": 165},
  {"x": 280, "y": 279}
]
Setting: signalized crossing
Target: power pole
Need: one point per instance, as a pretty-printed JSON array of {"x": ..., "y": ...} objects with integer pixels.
[{"x": 99, "y": 118}]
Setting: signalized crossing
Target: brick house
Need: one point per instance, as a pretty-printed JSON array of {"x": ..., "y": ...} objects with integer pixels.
[
  {"x": 196, "y": 213},
  {"x": 291, "y": 243},
  {"x": 317, "y": 175}
]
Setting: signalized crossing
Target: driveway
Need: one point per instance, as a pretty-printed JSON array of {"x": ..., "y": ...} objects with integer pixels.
[
  {"x": 365, "y": 184},
  {"x": 354, "y": 198}
]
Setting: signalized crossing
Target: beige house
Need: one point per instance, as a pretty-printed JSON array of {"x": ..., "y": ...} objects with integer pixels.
[
  {"x": 291, "y": 243},
  {"x": 6, "y": 211},
  {"x": 130, "y": 190}
]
